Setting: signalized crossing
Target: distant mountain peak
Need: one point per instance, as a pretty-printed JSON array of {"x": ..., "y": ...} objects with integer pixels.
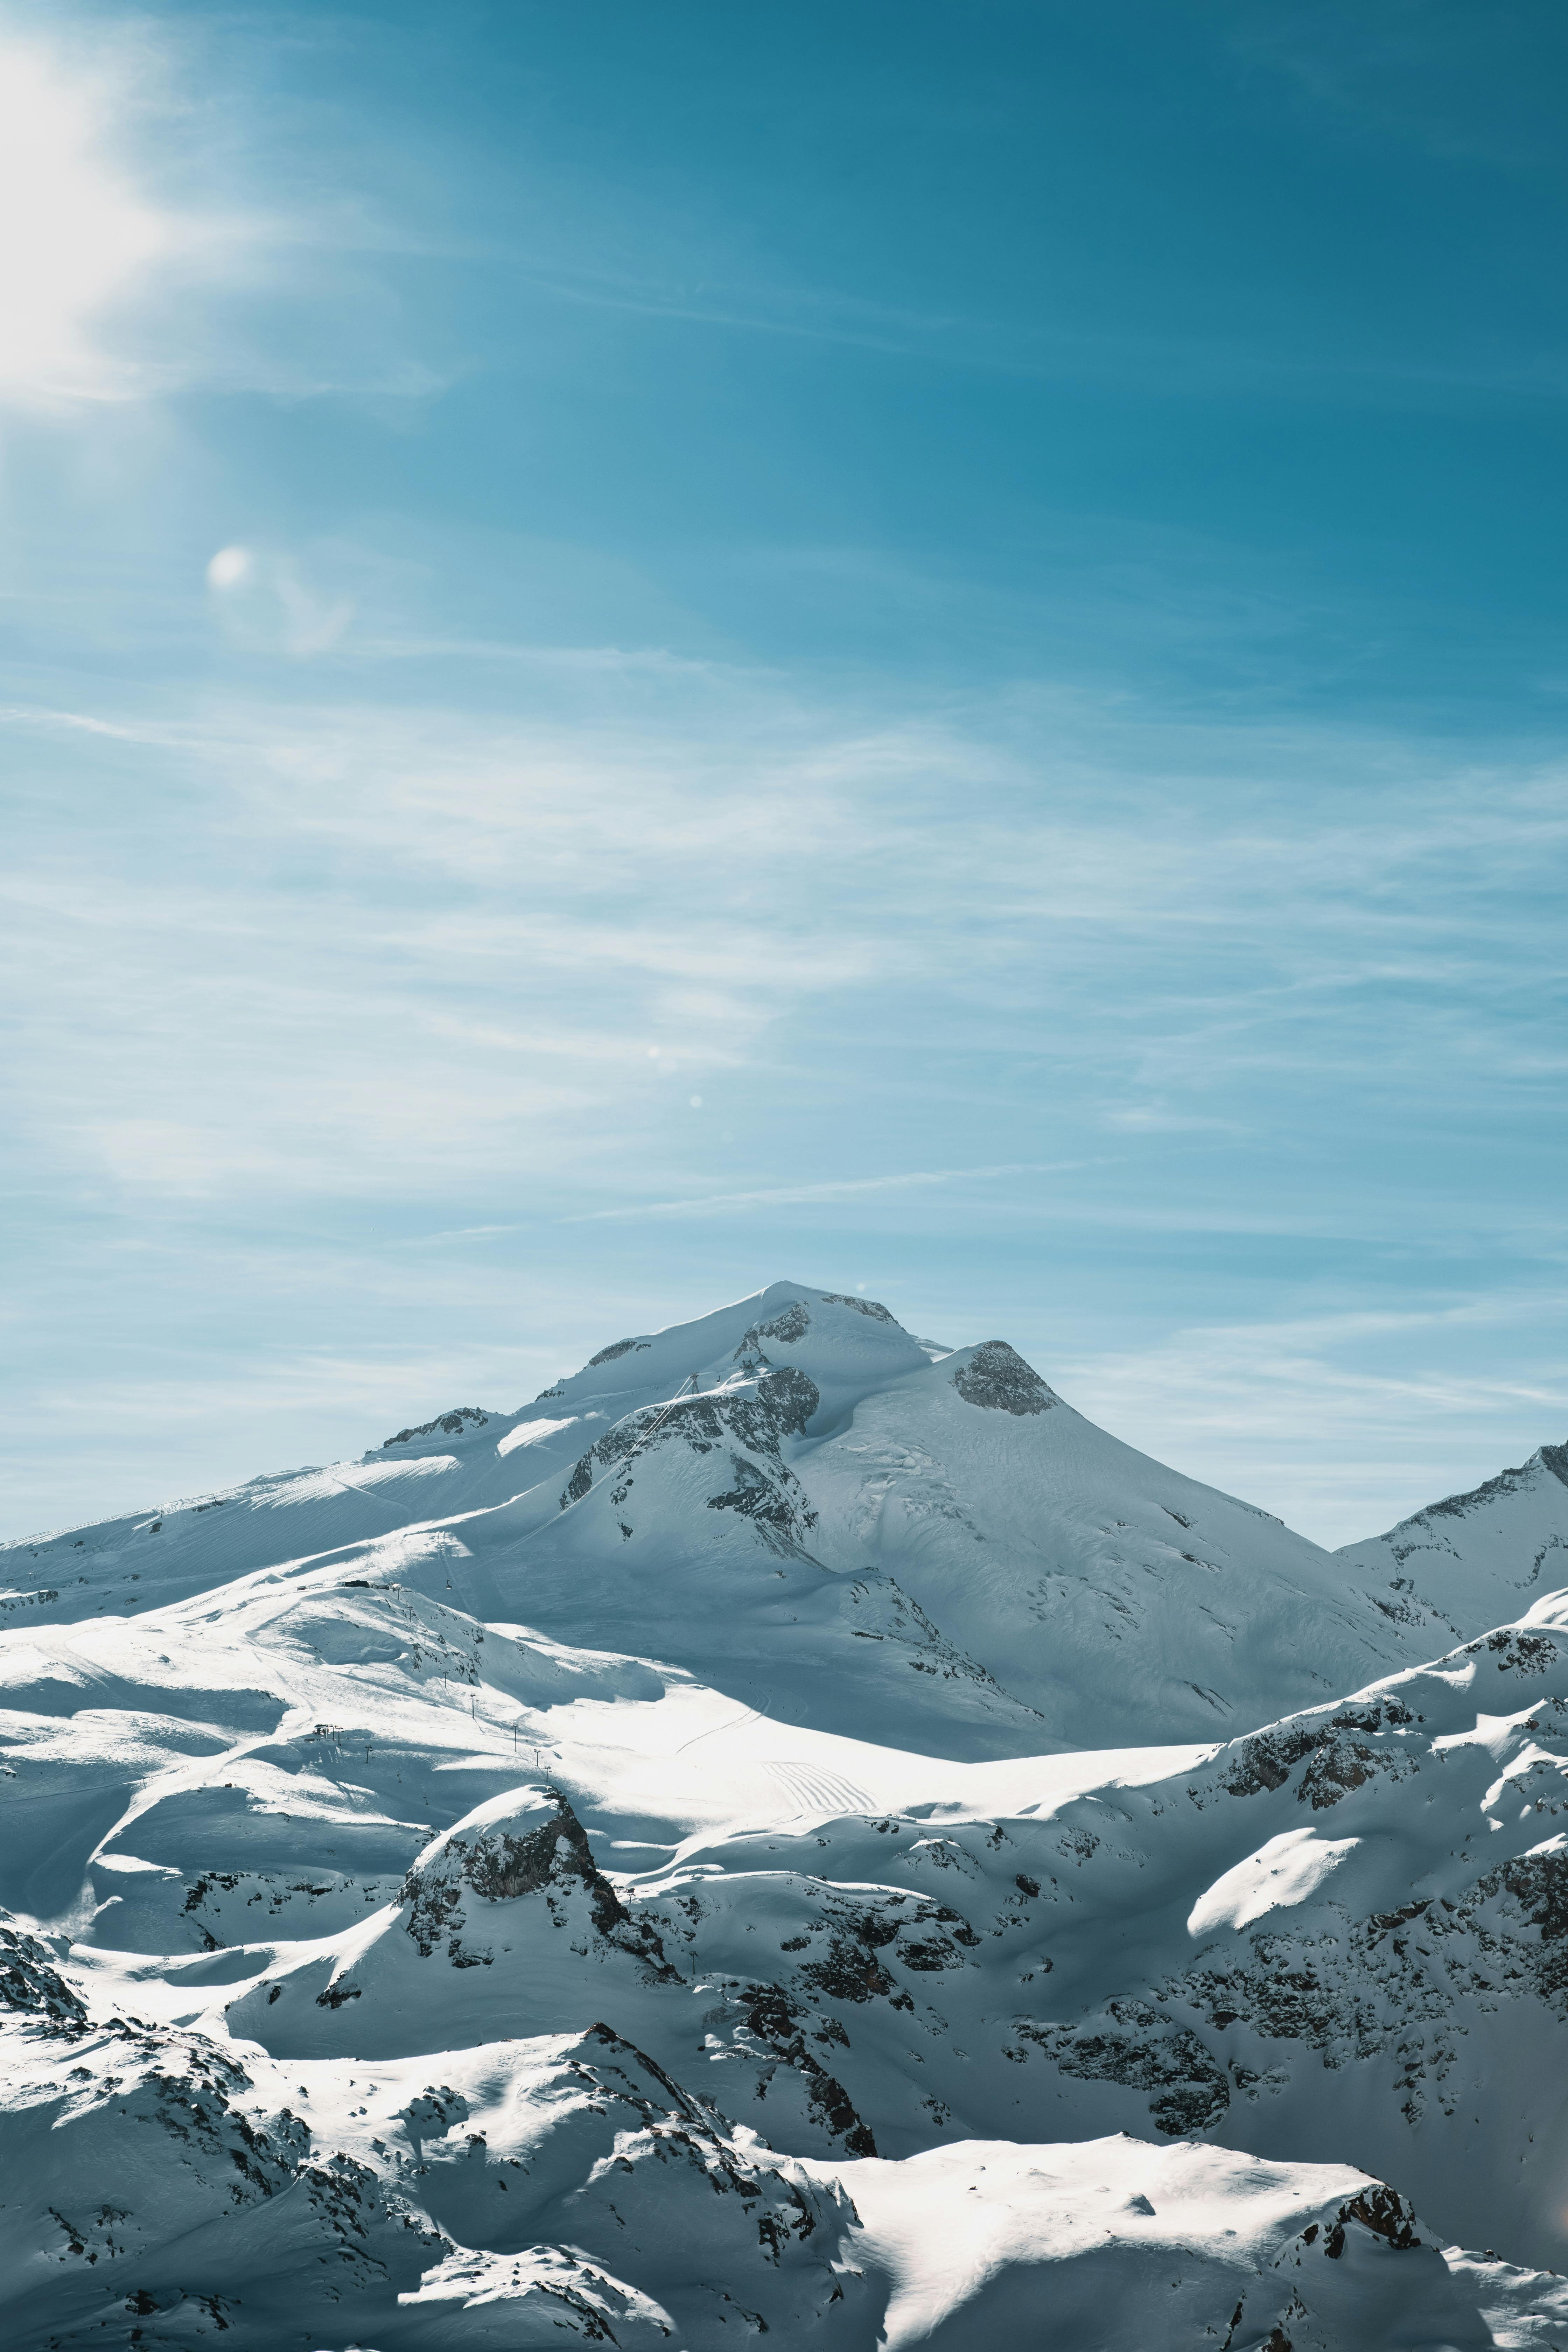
[{"x": 456, "y": 1423}]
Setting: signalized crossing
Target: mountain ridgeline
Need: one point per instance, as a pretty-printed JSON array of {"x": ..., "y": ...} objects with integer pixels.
[{"x": 793, "y": 1829}]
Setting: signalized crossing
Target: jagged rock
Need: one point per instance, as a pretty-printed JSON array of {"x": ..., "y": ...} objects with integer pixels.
[
  {"x": 997, "y": 1377},
  {"x": 453, "y": 1424}
]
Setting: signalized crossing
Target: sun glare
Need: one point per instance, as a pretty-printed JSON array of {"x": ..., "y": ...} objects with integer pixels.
[{"x": 72, "y": 234}]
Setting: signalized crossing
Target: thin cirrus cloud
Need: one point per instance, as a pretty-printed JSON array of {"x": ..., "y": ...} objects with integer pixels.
[
  {"x": 842, "y": 1188},
  {"x": 1340, "y": 1420},
  {"x": 458, "y": 867}
]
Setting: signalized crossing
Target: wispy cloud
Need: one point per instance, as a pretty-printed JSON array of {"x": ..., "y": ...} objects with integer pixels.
[
  {"x": 1344, "y": 1421},
  {"x": 451, "y": 940},
  {"x": 844, "y": 1188}
]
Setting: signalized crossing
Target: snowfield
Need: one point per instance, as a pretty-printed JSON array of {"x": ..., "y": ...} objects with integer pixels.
[{"x": 792, "y": 1830}]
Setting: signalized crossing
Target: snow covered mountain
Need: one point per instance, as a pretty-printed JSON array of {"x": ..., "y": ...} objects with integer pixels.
[
  {"x": 792, "y": 1499},
  {"x": 1491, "y": 1551},
  {"x": 794, "y": 1829}
]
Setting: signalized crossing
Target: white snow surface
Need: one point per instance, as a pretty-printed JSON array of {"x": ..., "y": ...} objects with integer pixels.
[
  {"x": 791, "y": 1830},
  {"x": 1495, "y": 1550},
  {"x": 1281, "y": 1873}
]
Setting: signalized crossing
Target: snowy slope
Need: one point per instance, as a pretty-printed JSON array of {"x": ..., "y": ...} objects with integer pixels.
[
  {"x": 1226, "y": 1947},
  {"x": 791, "y": 1499},
  {"x": 1484, "y": 1555},
  {"x": 165, "y": 2191},
  {"x": 776, "y": 1835},
  {"x": 1110, "y": 2243},
  {"x": 322, "y": 2011}
]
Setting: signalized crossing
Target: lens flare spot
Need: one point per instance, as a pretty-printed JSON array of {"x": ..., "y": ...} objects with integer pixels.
[{"x": 230, "y": 567}]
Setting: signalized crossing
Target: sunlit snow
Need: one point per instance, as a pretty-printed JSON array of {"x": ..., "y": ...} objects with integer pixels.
[
  {"x": 1285, "y": 1871},
  {"x": 779, "y": 1832}
]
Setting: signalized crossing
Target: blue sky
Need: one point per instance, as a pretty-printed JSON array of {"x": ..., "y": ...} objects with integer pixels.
[{"x": 917, "y": 647}]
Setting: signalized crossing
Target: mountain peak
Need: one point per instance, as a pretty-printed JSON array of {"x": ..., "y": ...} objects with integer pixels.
[
  {"x": 958, "y": 1773},
  {"x": 837, "y": 1338},
  {"x": 461, "y": 1422}
]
